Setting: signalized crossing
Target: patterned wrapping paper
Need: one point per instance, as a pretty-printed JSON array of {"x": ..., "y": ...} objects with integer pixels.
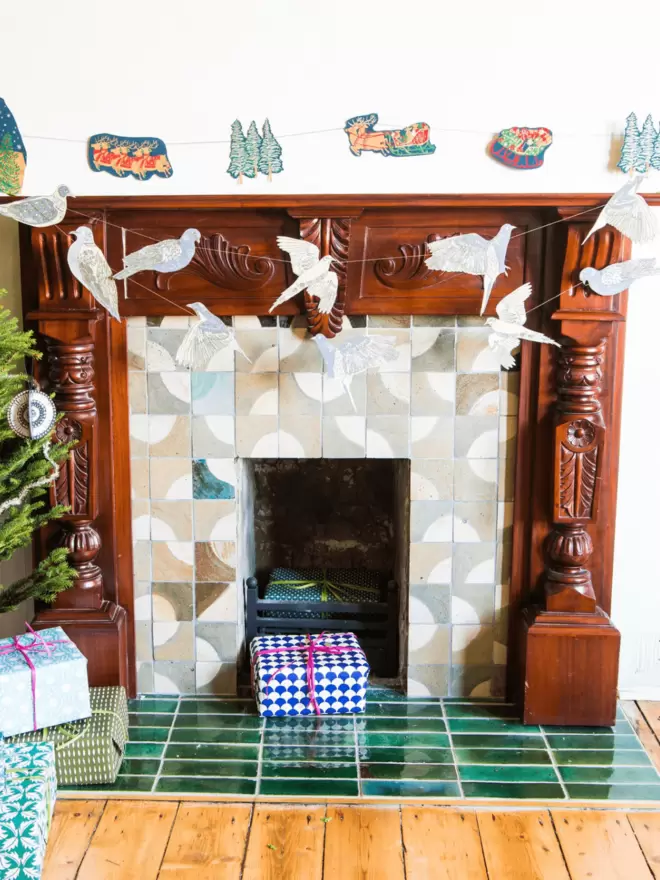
[
  {"x": 26, "y": 808},
  {"x": 2, "y": 763},
  {"x": 280, "y": 680},
  {"x": 89, "y": 752},
  {"x": 61, "y": 687},
  {"x": 344, "y": 585}
]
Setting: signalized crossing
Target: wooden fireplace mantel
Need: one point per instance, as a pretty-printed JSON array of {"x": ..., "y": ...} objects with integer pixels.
[{"x": 563, "y": 649}]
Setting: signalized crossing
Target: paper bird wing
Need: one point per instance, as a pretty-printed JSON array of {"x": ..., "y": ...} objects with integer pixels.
[
  {"x": 503, "y": 347},
  {"x": 33, "y": 210},
  {"x": 303, "y": 254},
  {"x": 512, "y": 307},
  {"x": 96, "y": 276},
  {"x": 632, "y": 217},
  {"x": 629, "y": 271},
  {"x": 152, "y": 254},
  {"x": 201, "y": 342},
  {"x": 358, "y": 355},
  {"x": 325, "y": 288},
  {"x": 459, "y": 253}
]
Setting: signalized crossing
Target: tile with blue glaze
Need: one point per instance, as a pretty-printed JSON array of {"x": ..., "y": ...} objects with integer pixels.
[
  {"x": 508, "y": 773},
  {"x": 213, "y": 394},
  {"x": 623, "y": 792},
  {"x": 207, "y": 484},
  {"x": 409, "y": 788}
]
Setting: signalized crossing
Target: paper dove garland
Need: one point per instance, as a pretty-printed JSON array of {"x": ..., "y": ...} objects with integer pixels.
[
  {"x": 313, "y": 273},
  {"x": 473, "y": 254},
  {"x": 90, "y": 267},
  {"x": 39, "y": 210},
  {"x": 628, "y": 212},
  {"x": 209, "y": 335},
  {"x": 355, "y": 356},
  {"x": 169, "y": 255},
  {"x": 617, "y": 277},
  {"x": 509, "y": 326}
]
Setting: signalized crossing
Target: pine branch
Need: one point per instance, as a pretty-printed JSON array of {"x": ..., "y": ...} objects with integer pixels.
[{"x": 52, "y": 575}]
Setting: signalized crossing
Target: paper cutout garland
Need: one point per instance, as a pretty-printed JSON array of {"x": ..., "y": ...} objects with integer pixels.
[
  {"x": 139, "y": 157},
  {"x": 414, "y": 140},
  {"x": 13, "y": 155},
  {"x": 521, "y": 148},
  {"x": 640, "y": 149},
  {"x": 253, "y": 153}
]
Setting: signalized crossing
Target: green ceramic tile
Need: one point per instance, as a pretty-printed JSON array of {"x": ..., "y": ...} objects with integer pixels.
[
  {"x": 207, "y": 752},
  {"x": 582, "y": 791},
  {"x": 214, "y": 735},
  {"x": 322, "y": 724},
  {"x": 143, "y": 750},
  {"x": 407, "y": 771},
  {"x": 413, "y": 755},
  {"x": 401, "y": 725},
  {"x": 606, "y": 758},
  {"x": 620, "y": 727},
  {"x": 139, "y": 767},
  {"x": 389, "y": 695},
  {"x": 481, "y": 710},
  {"x": 236, "y": 722},
  {"x": 323, "y": 755},
  {"x": 432, "y": 740},
  {"x": 309, "y": 787},
  {"x": 148, "y": 734},
  {"x": 491, "y": 725},
  {"x": 496, "y": 741},
  {"x": 409, "y": 788},
  {"x": 205, "y": 785},
  {"x": 127, "y": 784},
  {"x": 305, "y": 770},
  {"x": 595, "y": 741},
  {"x": 307, "y": 738},
  {"x": 217, "y": 707},
  {"x": 209, "y": 768},
  {"x": 158, "y": 706},
  {"x": 503, "y": 756},
  {"x": 514, "y": 790},
  {"x": 508, "y": 773},
  {"x": 410, "y": 709},
  {"x": 137, "y": 719},
  {"x": 610, "y": 775}
]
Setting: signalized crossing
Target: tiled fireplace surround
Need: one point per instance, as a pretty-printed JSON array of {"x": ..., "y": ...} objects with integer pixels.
[{"x": 444, "y": 404}]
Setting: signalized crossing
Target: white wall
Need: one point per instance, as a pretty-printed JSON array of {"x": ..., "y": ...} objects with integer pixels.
[{"x": 183, "y": 72}]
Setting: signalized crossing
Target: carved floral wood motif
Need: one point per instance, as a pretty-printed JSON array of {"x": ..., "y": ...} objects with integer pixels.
[{"x": 563, "y": 647}]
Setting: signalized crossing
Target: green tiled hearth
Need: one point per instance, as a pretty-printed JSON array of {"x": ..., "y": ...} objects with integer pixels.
[{"x": 401, "y": 748}]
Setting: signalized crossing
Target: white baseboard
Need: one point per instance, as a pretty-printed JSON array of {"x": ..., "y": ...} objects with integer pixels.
[{"x": 641, "y": 692}]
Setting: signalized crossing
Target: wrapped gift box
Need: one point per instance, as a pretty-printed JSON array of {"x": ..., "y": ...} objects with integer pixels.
[
  {"x": 89, "y": 752},
  {"x": 321, "y": 585},
  {"x": 54, "y": 692},
  {"x": 26, "y": 807},
  {"x": 282, "y": 667},
  {"x": 2, "y": 762}
]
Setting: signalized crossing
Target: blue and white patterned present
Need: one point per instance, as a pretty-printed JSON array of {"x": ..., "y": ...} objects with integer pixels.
[
  {"x": 26, "y": 808},
  {"x": 43, "y": 681},
  {"x": 321, "y": 585},
  {"x": 324, "y": 674},
  {"x": 2, "y": 763}
]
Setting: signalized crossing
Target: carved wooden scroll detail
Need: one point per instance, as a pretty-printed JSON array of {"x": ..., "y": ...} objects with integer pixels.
[
  {"x": 409, "y": 271},
  {"x": 332, "y": 237},
  {"x": 225, "y": 265}
]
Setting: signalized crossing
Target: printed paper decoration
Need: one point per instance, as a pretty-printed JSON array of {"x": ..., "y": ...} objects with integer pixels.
[
  {"x": 13, "y": 155},
  {"x": 617, "y": 277},
  {"x": 509, "y": 326},
  {"x": 628, "y": 212},
  {"x": 414, "y": 140},
  {"x": 138, "y": 157},
  {"x": 521, "y": 148},
  {"x": 253, "y": 153},
  {"x": 204, "y": 338},
  {"x": 641, "y": 149},
  {"x": 313, "y": 273}
]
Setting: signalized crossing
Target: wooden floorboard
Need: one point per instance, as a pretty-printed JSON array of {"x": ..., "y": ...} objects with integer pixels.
[
  {"x": 443, "y": 844},
  {"x": 521, "y": 846},
  {"x": 363, "y": 843},
  {"x": 643, "y": 729},
  {"x": 73, "y": 826},
  {"x": 285, "y": 843}
]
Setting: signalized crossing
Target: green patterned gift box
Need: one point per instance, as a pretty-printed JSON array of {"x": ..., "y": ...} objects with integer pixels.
[
  {"x": 26, "y": 808},
  {"x": 321, "y": 585},
  {"x": 89, "y": 752}
]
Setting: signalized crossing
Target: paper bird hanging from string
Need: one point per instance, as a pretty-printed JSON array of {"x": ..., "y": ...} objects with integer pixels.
[
  {"x": 313, "y": 273},
  {"x": 628, "y": 212},
  {"x": 473, "y": 254},
  {"x": 617, "y": 277},
  {"x": 90, "y": 267},
  {"x": 509, "y": 326},
  {"x": 39, "y": 210},
  {"x": 206, "y": 337},
  {"x": 169, "y": 255},
  {"x": 355, "y": 356}
]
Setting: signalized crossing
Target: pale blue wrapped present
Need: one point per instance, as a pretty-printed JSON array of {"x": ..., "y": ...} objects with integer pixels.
[
  {"x": 43, "y": 682},
  {"x": 2, "y": 763}
]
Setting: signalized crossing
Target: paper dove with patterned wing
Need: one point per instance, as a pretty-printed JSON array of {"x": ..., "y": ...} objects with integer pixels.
[
  {"x": 617, "y": 277},
  {"x": 206, "y": 337},
  {"x": 355, "y": 356},
  {"x": 473, "y": 254},
  {"x": 39, "y": 210},
  {"x": 628, "y": 212},
  {"x": 89, "y": 265},
  {"x": 169, "y": 255},
  {"x": 313, "y": 273},
  {"x": 509, "y": 326}
]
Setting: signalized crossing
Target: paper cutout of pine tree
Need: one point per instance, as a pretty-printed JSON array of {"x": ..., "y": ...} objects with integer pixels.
[
  {"x": 10, "y": 170},
  {"x": 646, "y": 143},
  {"x": 270, "y": 161},
  {"x": 252, "y": 147},
  {"x": 22, "y": 463},
  {"x": 238, "y": 160},
  {"x": 655, "y": 155},
  {"x": 630, "y": 148}
]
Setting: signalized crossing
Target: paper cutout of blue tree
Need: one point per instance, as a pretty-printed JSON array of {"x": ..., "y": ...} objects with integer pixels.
[
  {"x": 646, "y": 143},
  {"x": 655, "y": 155},
  {"x": 270, "y": 154},
  {"x": 13, "y": 155},
  {"x": 238, "y": 157},
  {"x": 252, "y": 147},
  {"x": 630, "y": 149}
]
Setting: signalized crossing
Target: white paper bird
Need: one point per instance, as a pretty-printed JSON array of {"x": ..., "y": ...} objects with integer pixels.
[
  {"x": 169, "y": 255},
  {"x": 313, "y": 273},
  {"x": 355, "y": 356},
  {"x": 509, "y": 327},
  {"x": 90, "y": 267},
  {"x": 617, "y": 277},
  {"x": 628, "y": 212},
  {"x": 473, "y": 254},
  {"x": 209, "y": 335},
  {"x": 39, "y": 210}
]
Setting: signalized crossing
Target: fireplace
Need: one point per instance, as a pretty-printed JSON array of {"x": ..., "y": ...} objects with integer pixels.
[{"x": 509, "y": 563}]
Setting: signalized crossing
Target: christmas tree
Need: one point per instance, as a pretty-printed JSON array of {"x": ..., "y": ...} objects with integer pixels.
[
  {"x": 252, "y": 147},
  {"x": 655, "y": 155},
  {"x": 270, "y": 161},
  {"x": 646, "y": 142},
  {"x": 10, "y": 170},
  {"x": 22, "y": 464},
  {"x": 630, "y": 148},
  {"x": 238, "y": 161}
]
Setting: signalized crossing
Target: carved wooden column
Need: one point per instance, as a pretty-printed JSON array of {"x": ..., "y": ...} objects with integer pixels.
[{"x": 572, "y": 647}]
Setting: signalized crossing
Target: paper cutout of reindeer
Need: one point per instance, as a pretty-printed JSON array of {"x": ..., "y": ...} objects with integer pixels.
[
  {"x": 121, "y": 156},
  {"x": 410, "y": 141}
]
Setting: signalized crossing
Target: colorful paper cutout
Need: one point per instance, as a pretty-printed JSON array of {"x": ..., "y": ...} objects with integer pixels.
[
  {"x": 13, "y": 155},
  {"x": 640, "y": 149},
  {"x": 139, "y": 157},
  {"x": 253, "y": 153},
  {"x": 521, "y": 148},
  {"x": 410, "y": 141}
]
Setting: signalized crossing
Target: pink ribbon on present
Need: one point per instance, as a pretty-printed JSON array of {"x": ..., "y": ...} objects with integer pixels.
[
  {"x": 38, "y": 644},
  {"x": 310, "y": 647}
]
